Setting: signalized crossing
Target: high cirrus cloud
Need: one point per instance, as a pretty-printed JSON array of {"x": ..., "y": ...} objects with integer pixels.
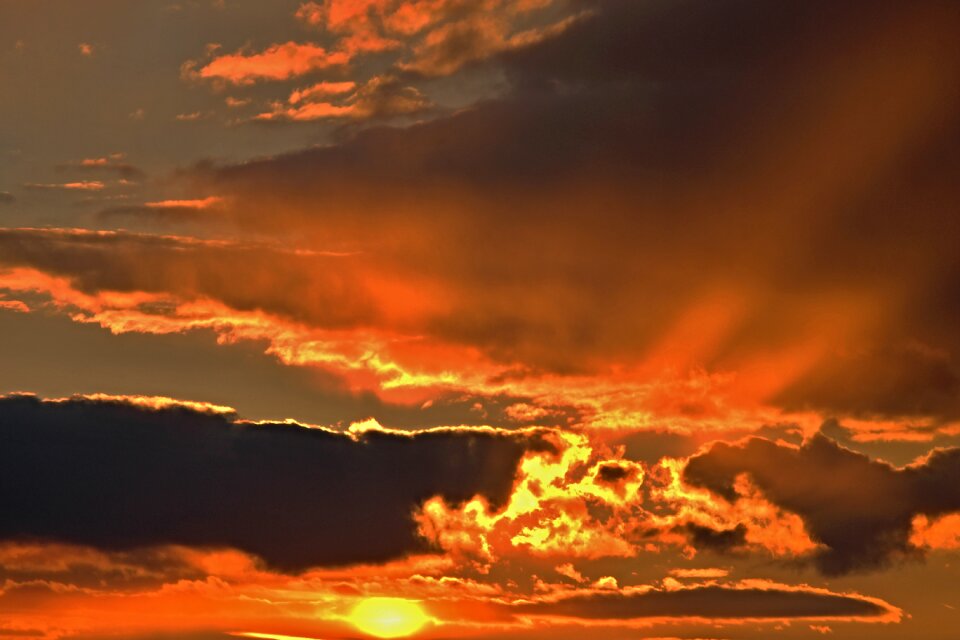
[{"x": 116, "y": 476}]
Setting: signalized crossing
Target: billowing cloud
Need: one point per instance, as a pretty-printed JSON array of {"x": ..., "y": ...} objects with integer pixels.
[
  {"x": 861, "y": 510},
  {"x": 118, "y": 476}
]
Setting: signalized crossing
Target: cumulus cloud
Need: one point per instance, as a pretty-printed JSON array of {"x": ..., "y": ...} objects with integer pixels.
[
  {"x": 861, "y": 510},
  {"x": 115, "y": 476}
]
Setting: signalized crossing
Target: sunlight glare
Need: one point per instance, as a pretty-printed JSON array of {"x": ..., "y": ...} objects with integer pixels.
[{"x": 388, "y": 617}]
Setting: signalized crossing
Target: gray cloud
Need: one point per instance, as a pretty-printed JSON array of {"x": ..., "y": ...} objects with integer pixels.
[
  {"x": 710, "y": 602},
  {"x": 118, "y": 477},
  {"x": 860, "y": 509}
]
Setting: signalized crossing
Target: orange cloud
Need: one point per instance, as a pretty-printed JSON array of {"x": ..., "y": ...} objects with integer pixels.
[
  {"x": 381, "y": 96},
  {"x": 277, "y": 62},
  {"x": 85, "y": 185},
  {"x": 936, "y": 533},
  {"x": 321, "y": 90},
  {"x": 198, "y": 203}
]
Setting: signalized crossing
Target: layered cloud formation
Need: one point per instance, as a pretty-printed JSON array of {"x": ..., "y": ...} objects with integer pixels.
[{"x": 619, "y": 316}]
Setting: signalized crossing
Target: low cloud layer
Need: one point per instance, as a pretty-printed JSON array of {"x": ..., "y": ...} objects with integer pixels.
[{"x": 722, "y": 602}]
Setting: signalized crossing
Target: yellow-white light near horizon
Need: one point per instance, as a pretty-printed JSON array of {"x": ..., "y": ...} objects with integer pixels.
[{"x": 388, "y": 617}]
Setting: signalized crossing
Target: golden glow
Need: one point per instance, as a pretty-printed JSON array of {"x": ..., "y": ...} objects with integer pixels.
[{"x": 388, "y": 617}]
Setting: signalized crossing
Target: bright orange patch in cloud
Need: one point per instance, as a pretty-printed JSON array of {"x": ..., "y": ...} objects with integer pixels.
[
  {"x": 197, "y": 203},
  {"x": 83, "y": 185},
  {"x": 939, "y": 533}
]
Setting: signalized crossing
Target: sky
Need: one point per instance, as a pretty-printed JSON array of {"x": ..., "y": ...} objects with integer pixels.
[{"x": 488, "y": 319}]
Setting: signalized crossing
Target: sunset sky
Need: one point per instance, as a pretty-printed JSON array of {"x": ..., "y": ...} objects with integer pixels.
[{"x": 488, "y": 319}]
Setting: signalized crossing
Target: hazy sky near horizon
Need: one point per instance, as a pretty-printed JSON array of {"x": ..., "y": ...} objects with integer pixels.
[{"x": 628, "y": 318}]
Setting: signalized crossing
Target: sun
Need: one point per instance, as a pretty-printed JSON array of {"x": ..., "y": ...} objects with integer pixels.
[{"x": 388, "y": 617}]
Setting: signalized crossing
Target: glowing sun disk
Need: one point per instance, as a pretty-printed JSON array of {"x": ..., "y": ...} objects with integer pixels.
[{"x": 388, "y": 617}]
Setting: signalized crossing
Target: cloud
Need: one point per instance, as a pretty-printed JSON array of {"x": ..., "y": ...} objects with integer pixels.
[
  {"x": 113, "y": 163},
  {"x": 622, "y": 224},
  {"x": 379, "y": 97},
  {"x": 861, "y": 510},
  {"x": 117, "y": 476},
  {"x": 757, "y": 601},
  {"x": 7, "y": 198},
  {"x": 186, "y": 210},
  {"x": 442, "y": 35},
  {"x": 722, "y": 541},
  {"x": 321, "y": 90},
  {"x": 241, "y": 275},
  {"x": 277, "y": 62},
  {"x": 904, "y": 381},
  {"x": 658, "y": 157},
  {"x": 351, "y": 19},
  {"x": 447, "y": 48},
  {"x": 193, "y": 116},
  {"x": 84, "y": 185}
]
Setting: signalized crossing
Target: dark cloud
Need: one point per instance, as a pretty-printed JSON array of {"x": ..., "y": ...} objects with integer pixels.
[
  {"x": 319, "y": 289},
  {"x": 613, "y": 473},
  {"x": 653, "y": 153},
  {"x": 799, "y": 156},
  {"x": 860, "y": 509},
  {"x": 721, "y": 541},
  {"x": 900, "y": 381},
  {"x": 651, "y": 446},
  {"x": 7, "y": 198},
  {"x": 711, "y": 602},
  {"x": 895, "y": 450},
  {"x": 118, "y": 477}
]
